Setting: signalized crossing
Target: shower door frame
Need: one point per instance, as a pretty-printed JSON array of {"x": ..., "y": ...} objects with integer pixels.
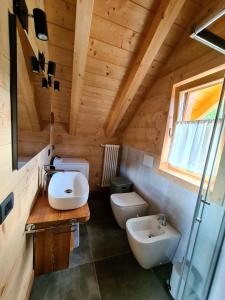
[{"x": 200, "y": 205}]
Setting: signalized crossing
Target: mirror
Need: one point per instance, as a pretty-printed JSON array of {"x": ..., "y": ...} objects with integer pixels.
[{"x": 30, "y": 102}]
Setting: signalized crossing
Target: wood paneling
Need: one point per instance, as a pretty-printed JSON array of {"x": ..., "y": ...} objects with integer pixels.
[
  {"x": 147, "y": 128},
  {"x": 163, "y": 20},
  {"x": 61, "y": 13},
  {"x": 25, "y": 91},
  {"x": 16, "y": 255},
  {"x": 114, "y": 34},
  {"x": 124, "y": 13},
  {"x": 109, "y": 53},
  {"x": 106, "y": 69},
  {"x": 178, "y": 34},
  {"x": 117, "y": 32}
]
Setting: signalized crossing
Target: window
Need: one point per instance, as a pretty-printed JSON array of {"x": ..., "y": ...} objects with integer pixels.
[{"x": 189, "y": 134}]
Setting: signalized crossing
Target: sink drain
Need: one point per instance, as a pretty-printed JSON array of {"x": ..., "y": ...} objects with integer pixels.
[{"x": 68, "y": 191}]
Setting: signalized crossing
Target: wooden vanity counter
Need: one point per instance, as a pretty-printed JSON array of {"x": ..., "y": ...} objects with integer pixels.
[
  {"x": 51, "y": 231},
  {"x": 43, "y": 215}
]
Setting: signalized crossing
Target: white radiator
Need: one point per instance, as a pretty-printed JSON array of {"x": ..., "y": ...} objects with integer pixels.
[{"x": 111, "y": 155}]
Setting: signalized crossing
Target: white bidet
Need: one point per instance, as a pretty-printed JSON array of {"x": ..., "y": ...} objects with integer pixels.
[{"x": 151, "y": 243}]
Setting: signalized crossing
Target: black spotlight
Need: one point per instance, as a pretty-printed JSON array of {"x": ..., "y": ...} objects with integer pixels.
[
  {"x": 56, "y": 85},
  {"x": 41, "y": 59},
  {"x": 49, "y": 81},
  {"x": 40, "y": 24},
  {"x": 51, "y": 68},
  {"x": 35, "y": 65},
  {"x": 44, "y": 83},
  {"x": 20, "y": 9}
]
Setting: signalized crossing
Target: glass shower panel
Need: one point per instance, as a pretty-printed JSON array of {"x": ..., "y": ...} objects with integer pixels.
[{"x": 208, "y": 226}]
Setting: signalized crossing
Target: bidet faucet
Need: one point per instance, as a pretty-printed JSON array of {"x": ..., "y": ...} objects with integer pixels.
[{"x": 162, "y": 219}]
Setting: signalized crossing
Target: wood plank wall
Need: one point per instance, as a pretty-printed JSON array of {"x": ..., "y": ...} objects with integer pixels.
[
  {"x": 147, "y": 128},
  {"x": 16, "y": 255},
  {"x": 117, "y": 31}
]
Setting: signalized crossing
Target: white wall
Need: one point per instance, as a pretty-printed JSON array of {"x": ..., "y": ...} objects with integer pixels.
[{"x": 163, "y": 194}]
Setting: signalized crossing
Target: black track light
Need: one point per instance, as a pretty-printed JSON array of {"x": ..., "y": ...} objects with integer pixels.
[
  {"x": 56, "y": 85},
  {"x": 49, "y": 81},
  {"x": 35, "y": 65},
  {"x": 20, "y": 9},
  {"x": 51, "y": 68},
  {"x": 40, "y": 24},
  {"x": 44, "y": 83},
  {"x": 41, "y": 59}
]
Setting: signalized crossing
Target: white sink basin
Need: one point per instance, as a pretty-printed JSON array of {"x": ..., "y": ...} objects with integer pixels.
[{"x": 68, "y": 190}]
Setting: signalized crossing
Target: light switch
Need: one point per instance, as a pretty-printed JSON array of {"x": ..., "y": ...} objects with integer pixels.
[
  {"x": 6, "y": 206},
  {"x": 148, "y": 161}
]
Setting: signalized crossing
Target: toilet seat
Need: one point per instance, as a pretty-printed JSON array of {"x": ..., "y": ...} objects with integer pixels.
[
  {"x": 123, "y": 200},
  {"x": 126, "y": 206}
]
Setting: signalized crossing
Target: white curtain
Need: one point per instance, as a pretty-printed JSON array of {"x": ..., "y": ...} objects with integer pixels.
[{"x": 190, "y": 145}]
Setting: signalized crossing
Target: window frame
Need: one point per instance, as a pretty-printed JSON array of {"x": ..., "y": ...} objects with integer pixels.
[{"x": 189, "y": 179}]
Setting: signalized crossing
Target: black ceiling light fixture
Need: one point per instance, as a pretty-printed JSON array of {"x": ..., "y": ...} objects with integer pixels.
[
  {"x": 51, "y": 64},
  {"x": 40, "y": 24},
  {"x": 40, "y": 62},
  {"x": 51, "y": 68},
  {"x": 20, "y": 9},
  {"x": 35, "y": 65},
  {"x": 56, "y": 85},
  {"x": 41, "y": 59},
  {"x": 44, "y": 83},
  {"x": 40, "y": 21},
  {"x": 49, "y": 81}
]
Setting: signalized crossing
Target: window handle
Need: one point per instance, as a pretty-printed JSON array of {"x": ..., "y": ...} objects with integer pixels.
[{"x": 170, "y": 132}]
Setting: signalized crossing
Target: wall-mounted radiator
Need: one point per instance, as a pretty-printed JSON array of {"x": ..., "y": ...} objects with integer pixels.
[{"x": 110, "y": 162}]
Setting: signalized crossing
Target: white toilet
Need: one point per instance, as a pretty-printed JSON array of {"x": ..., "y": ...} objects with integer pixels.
[{"x": 126, "y": 206}]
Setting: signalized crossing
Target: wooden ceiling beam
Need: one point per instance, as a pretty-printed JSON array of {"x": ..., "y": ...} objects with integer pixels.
[
  {"x": 161, "y": 24},
  {"x": 83, "y": 19}
]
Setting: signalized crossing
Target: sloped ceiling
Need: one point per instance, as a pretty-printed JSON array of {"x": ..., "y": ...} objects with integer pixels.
[{"x": 117, "y": 31}]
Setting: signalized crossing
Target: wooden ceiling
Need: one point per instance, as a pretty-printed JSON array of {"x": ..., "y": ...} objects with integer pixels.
[{"x": 118, "y": 31}]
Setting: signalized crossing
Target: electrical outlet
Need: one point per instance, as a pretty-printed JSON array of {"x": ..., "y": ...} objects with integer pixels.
[{"x": 6, "y": 206}]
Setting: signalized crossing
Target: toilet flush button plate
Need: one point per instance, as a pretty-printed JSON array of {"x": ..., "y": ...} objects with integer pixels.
[{"x": 148, "y": 161}]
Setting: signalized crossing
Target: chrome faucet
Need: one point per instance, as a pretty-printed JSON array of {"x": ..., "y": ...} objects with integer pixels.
[
  {"x": 49, "y": 170},
  {"x": 162, "y": 219}
]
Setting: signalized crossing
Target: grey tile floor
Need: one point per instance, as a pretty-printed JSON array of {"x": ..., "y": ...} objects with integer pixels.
[{"x": 103, "y": 266}]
